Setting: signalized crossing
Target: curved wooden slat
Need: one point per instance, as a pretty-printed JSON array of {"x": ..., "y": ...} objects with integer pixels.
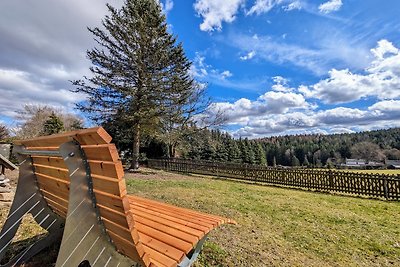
[{"x": 161, "y": 234}]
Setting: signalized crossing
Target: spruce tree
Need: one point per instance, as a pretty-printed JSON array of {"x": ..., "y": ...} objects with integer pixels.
[
  {"x": 52, "y": 125},
  {"x": 259, "y": 152},
  {"x": 295, "y": 161},
  {"x": 140, "y": 74},
  {"x": 234, "y": 151}
]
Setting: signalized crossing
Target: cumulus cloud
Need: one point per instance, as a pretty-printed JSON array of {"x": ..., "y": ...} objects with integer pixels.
[
  {"x": 244, "y": 110},
  {"x": 214, "y": 12},
  {"x": 336, "y": 120},
  {"x": 41, "y": 50},
  {"x": 248, "y": 56},
  {"x": 382, "y": 79},
  {"x": 330, "y": 6}
]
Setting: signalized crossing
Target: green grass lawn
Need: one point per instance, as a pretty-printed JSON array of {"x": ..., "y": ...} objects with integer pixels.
[
  {"x": 276, "y": 226},
  {"x": 283, "y": 227}
]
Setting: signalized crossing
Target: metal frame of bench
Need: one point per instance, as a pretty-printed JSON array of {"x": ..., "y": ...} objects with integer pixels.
[{"x": 84, "y": 236}]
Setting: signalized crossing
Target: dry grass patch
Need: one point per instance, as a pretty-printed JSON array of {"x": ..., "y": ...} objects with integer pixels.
[{"x": 283, "y": 227}]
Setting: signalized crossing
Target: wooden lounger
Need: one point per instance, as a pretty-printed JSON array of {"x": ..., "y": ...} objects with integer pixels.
[{"x": 73, "y": 185}]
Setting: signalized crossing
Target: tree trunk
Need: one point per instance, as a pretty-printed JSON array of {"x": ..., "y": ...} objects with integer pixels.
[
  {"x": 136, "y": 147},
  {"x": 171, "y": 151}
]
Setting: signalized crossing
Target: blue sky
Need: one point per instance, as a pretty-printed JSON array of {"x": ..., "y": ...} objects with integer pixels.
[{"x": 272, "y": 67}]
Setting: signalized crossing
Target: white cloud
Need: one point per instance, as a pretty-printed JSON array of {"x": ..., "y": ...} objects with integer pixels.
[
  {"x": 169, "y": 4},
  {"x": 330, "y": 6},
  {"x": 200, "y": 69},
  {"x": 317, "y": 59},
  {"x": 248, "y": 56},
  {"x": 214, "y": 12},
  {"x": 166, "y": 5},
  {"x": 293, "y": 6},
  {"x": 336, "y": 120},
  {"x": 40, "y": 51},
  {"x": 382, "y": 79},
  {"x": 281, "y": 102},
  {"x": 263, "y": 6},
  {"x": 208, "y": 74},
  {"x": 244, "y": 110},
  {"x": 226, "y": 74}
]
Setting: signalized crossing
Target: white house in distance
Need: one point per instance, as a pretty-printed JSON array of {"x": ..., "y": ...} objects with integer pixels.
[
  {"x": 361, "y": 164},
  {"x": 392, "y": 164},
  {"x": 356, "y": 163}
]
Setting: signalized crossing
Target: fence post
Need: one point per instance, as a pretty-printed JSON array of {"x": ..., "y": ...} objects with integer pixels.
[
  {"x": 330, "y": 179},
  {"x": 385, "y": 186}
]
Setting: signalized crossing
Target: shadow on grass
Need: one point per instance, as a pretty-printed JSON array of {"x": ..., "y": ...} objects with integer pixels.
[{"x": 46, "y": 257}]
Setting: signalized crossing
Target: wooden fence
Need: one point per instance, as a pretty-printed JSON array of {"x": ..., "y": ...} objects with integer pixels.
[{"x": 366, "y": 184}]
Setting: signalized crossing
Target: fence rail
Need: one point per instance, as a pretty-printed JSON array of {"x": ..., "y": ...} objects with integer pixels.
[{"x": 366, "y": 184}]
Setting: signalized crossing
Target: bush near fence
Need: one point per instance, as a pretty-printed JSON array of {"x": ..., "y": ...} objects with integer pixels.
[{"x": 363, "y": 184}]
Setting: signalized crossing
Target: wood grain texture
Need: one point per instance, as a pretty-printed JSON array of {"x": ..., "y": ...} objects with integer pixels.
[{"x": 150, "y": 232}]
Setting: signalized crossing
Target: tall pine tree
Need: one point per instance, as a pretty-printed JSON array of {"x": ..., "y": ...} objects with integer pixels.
[{"x": 140, "y": 73}]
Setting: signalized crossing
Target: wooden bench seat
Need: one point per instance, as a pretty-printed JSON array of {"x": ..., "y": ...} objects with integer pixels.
[{"x": 149, "y": 232}]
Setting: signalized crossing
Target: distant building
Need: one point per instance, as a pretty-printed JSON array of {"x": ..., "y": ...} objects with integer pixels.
[
  {"x": 361, "y": 164},
  {"x": 392, "y": 164},
  {"x": 356, "y": 163}
]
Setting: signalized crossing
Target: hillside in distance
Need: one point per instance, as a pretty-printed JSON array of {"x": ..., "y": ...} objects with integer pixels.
[{"x": 295, "y": 150}]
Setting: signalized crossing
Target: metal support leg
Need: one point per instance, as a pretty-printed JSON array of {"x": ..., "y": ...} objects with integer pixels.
[
  {"x": 84, "y": 240},
  {"x": 28, "y": 199},
  {"x": 189, "y": 259}
]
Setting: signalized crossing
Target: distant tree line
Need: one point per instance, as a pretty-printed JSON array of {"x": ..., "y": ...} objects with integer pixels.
[
  {"x": 39, "y": 120},
  {"x": 298, "y": 150}
]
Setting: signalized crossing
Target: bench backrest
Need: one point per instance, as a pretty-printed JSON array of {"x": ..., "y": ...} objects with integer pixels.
[{"x": 108, "y": 184}]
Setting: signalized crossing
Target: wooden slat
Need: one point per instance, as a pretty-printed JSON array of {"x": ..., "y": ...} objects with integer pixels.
[
  {"x": 168, "y": 230},
  {"x": 182, "y": 216},
  {"x": 159, "y": 257},
  {"x": 113, "y": 215},
  {"x": 161, "y": 247},
  {"x": 195, "y": 214},
  {"x": 154, "y": 263},
  {"x": 168, "y": 223},
  {"x": 128, "y": 249},
  {"x": 110, "y": 201},
  {"x": 159, "y": 214},
  {"x": 56, "y": 206},
  {"x": 117, "y": 229},
  {"x": 53, "y": 185},
  {"x": 106, "y": 168},
  {"x": 49, "y": 161},
  {"x": 58, "y": 173},
  {"x": 106, "y": 152},
  {"x": 109, "y": 185},
  {"x": 164, "y": 237},
  {"x": 56, "y": 198},
  {"x": 92, "y": 136}
]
